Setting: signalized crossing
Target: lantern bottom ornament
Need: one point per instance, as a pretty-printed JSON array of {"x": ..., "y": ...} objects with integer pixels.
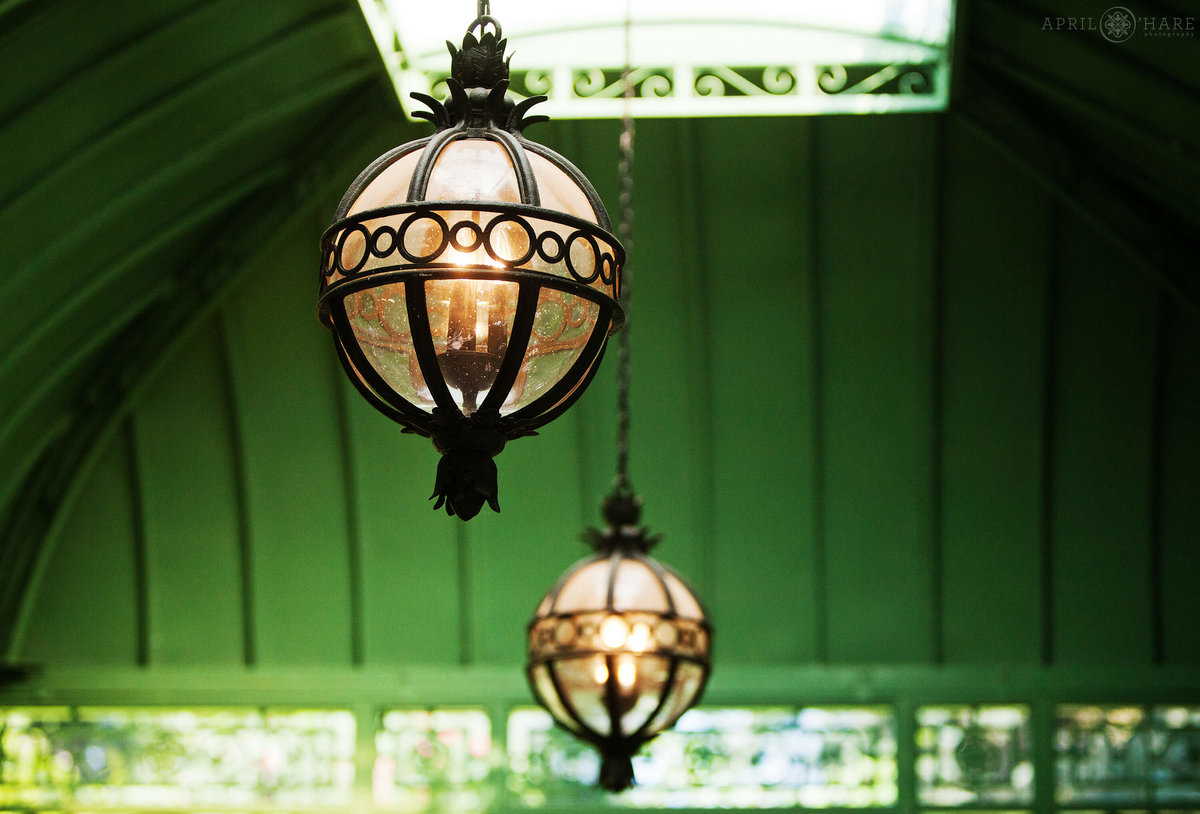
[{"x": 620, "y": 647}]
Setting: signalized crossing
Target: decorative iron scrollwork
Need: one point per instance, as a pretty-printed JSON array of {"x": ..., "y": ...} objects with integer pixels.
[
  {"x": 723, "y": 81},
  {"x": 899, "y": 79}
]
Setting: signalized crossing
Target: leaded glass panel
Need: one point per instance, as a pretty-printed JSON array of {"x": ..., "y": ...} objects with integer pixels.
[
  {"x": 1176, "y": 745},
  {"x": 1103, "y": 755},
  {"x": 433, "y": 759},
  {"x": 138, "y": 757},
  {"x": 721, "y": 758},
  {"x": 969, "y": 755},
  {"x": 35, "y": 762}
]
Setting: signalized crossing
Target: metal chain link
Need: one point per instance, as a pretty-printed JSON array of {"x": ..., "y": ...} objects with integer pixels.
[
  {"x": 485, "y": 8},
  {"x": 625, "y": 234}
]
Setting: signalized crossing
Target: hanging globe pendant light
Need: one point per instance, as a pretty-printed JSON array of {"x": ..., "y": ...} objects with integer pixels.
[
  {"x": 470, "y": 278},
  {"x": 619, "y": 648}
]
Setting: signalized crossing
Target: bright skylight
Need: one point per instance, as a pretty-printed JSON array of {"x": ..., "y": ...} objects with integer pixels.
[{"x": 694, "y": 58}]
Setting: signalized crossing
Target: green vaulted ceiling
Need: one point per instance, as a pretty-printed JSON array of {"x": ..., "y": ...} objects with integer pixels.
[{"x": 907, "y": 388}]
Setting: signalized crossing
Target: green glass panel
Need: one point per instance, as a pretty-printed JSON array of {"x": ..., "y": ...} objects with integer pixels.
[
  {"x": 756, "y": 757},
  {"x": 1102, "y": 755},
  {"x": 143, "y": 758},
  {"x": 968, "y": 755},
  {"x": 1176, "y": 745},
  {"x": 35, "y": 766},
  {"x": 433, "y": 760}
]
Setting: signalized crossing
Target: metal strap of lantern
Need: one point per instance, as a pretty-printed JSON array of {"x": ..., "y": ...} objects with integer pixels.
[{"x": 470, "y": 278}]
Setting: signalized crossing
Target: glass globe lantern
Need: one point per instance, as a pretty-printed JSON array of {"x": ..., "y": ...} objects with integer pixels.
[
  {"x": 620, "y": 647},
  {"x": 470, "y": 278}
]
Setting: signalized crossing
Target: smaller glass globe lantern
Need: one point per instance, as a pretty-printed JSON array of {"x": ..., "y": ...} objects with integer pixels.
[
  {"x": 619, "y": 648},
  {"x": 470, "y": 278}
]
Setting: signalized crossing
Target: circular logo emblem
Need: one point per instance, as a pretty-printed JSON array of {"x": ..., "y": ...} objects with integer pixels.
[{"x": 1118, "y": 24}]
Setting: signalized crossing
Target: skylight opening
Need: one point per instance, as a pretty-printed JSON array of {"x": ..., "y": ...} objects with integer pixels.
[{"x": 700, "y": 58}]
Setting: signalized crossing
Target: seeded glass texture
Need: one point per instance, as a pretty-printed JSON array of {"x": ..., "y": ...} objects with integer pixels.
[
  {"x": 471, "y": 318},
  {"x": 433, "y": 760},
  {"x": 721, "y": 758},
  {"x": 971, "y": 755}
]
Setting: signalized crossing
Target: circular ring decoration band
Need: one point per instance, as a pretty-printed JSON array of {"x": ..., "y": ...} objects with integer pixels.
[{"x": 471, "y": 278}]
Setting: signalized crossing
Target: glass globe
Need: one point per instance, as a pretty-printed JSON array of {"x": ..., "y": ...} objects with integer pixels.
[
  {"x": 470, "y": 278},
  {"x": 619, "y": 649}
]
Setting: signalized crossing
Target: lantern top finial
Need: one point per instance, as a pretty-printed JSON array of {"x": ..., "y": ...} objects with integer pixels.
[
  {"x": 622, "y": 511},
  {"x": 480, "y": 63},
  {"x": 478, "y": 85}
]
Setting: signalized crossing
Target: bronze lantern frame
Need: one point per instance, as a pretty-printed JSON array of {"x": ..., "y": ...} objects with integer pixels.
[
  {"x": 557, "y": 252},
  {"x": 672, "y": 638}
]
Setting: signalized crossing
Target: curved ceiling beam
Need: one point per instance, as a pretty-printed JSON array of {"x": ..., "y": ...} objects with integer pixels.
[
  {"x": 30, "y": 343},
  {"x": 179, "y": 102},
  {"x": 1002, "y": 117},
  {"x": 80, "y": 352},
  {"x": 32, "y": 522},
  {"x": 98, "y": 62}
]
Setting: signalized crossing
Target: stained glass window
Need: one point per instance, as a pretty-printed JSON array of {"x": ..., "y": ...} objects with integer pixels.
[
  {"x": 35, "y": 765},
  {"x": 969, "y": 755},
  {"x": 169, "y": 758},
  {"x": 1176, "y": 743},
  {"x": 433, "y": 759},
  {"x": 721, "y": 758},
  {"x": 1103, "y": 755}
]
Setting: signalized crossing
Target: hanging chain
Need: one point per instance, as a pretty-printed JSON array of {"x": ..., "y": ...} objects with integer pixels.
[
  {"x": 485, "y": 8},
  {"x": 625, "y": 234}
]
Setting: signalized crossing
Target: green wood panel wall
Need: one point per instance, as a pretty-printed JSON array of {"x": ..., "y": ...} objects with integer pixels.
[
  {"x": 875, "y": 262},
  {"x": 1103, "y": 324},
  {"x": 994, "y": 267},
  {"x": 1179, "y": 519},
  {"x": 830, "y": 344},
  {"x": 86, "y": 607},
  {"x": 284, "y": 376},
  {"x": 757, "y": 250},
  {"x": 409, "y": 557},
  {"x": 189, "y": 493}
]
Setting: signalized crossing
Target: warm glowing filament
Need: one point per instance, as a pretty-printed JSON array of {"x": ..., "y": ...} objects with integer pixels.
[
  {"x": 639, "y": 637},
  {"x": 600, "y": 673},
  {"x": 613, "y": 632},
  {"x": 626, "y": 672}
]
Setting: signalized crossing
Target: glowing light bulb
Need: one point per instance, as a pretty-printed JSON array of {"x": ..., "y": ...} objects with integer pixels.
[
  {"x": 600, "y": 673},
  {"x": 613, "y": 632},
  {"x": 626, "y": 672},
  {"x": 639, "y": 637}
]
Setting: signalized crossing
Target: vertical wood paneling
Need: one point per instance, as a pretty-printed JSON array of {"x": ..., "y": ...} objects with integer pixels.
[
  {"x": 756, "y": 231},
  {"x": 787, "y": 437},
  {"x": 992, "y": 340},
  {"x": 284, "y": 373},
  {"x": 411, "y": 593},
  {"x": 875, "y": 262},
  {"x": 1180, "y": 483},
  {"x": 86, "y": 607},
  {"x": 189, "y": 502},
  {"x": 1100, "y": 486},
  {"x": 516, "y": 556}
]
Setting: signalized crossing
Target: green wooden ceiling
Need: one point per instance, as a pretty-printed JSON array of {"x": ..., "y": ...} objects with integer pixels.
[{"x": 907, "y": 388}]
